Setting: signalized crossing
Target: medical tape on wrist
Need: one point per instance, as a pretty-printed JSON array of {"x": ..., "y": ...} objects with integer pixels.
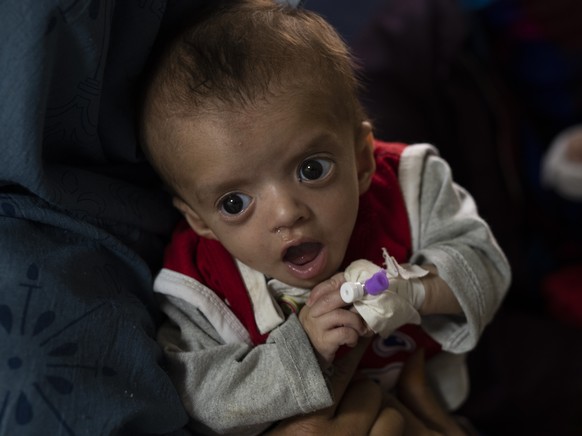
[
  {"x": 396, "y": 306},
  {"x": 417, "y": 293}
]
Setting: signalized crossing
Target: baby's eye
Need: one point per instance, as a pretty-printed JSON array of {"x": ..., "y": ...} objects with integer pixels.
[
  {"x": 314, "y": 169},
  {"x": 234, "y": 204}
]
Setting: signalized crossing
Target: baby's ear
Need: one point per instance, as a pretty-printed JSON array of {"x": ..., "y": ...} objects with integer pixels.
[
  {"x": 194, "y": 220},
  {"x": 365, "y": 162}
]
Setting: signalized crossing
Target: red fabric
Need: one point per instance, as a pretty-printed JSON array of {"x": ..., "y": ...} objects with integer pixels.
[
  {"x": 563, "y": 292},
  {"x": 208, "y": 262},
  {"x": 382, "y": 217},
  {"x": 382, "y": 222}
]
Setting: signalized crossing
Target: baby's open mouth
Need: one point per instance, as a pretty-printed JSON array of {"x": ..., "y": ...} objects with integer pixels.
[{"x": 303, "y": 253}]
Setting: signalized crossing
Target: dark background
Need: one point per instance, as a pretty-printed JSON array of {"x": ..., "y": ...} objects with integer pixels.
[{"x": 491, "y": 84}]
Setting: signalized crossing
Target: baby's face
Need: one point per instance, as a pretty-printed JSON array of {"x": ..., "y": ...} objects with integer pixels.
[{"x": 278, "y": 186}]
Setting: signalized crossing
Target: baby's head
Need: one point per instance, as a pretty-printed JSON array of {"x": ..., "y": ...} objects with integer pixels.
[{"x": 251, "y": 116}]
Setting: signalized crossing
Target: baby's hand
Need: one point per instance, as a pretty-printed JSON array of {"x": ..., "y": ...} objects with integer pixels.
[{"x": 328, "y": 321}]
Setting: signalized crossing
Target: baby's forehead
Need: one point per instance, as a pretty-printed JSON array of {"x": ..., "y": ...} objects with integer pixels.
[{"x": 183, "y": 123}]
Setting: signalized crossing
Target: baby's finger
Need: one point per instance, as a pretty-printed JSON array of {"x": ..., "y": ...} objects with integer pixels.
[
  {"x": 327, "y": 302},
  {"x": 341, "y": 336},
  {"x": 327, "y": 287},
  {"x": 342, "y": 318}
]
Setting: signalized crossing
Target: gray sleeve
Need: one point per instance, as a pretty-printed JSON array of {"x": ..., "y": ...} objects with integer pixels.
[
  {"x": 448, "y": 232},
  {"x": 236, "y": 388}
]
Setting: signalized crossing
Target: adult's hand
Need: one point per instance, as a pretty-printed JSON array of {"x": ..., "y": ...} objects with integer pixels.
[
  {"x": 418, "y": 405},
  {"x": 361, "y": 408},
  {"x": 355, "y": 410}
]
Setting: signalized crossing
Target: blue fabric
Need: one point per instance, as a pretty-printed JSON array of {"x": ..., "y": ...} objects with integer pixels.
[
  {"x": 83, "y": 222},
  {"x": 76, "y": 338}
]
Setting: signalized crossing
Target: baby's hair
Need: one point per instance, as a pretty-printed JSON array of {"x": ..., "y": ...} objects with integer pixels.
[{"x": 240, "y": 53}]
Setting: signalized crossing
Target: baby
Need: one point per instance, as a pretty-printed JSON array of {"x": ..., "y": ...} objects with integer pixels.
[{"x": 251, "y": 116}]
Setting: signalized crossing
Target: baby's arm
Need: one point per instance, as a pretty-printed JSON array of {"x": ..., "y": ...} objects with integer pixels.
[
  {"x": 468, "y": 273},
  {"x": 448, "y": 232},
  {"x": 235, "y": 388},
  {"x": 438, "y": 296}
]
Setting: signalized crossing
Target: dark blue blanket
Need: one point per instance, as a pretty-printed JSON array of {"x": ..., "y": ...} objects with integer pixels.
[{"x": 83, "y": 221}]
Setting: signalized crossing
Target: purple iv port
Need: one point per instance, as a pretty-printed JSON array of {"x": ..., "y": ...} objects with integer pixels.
[{"x": 377, "y": 284}]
